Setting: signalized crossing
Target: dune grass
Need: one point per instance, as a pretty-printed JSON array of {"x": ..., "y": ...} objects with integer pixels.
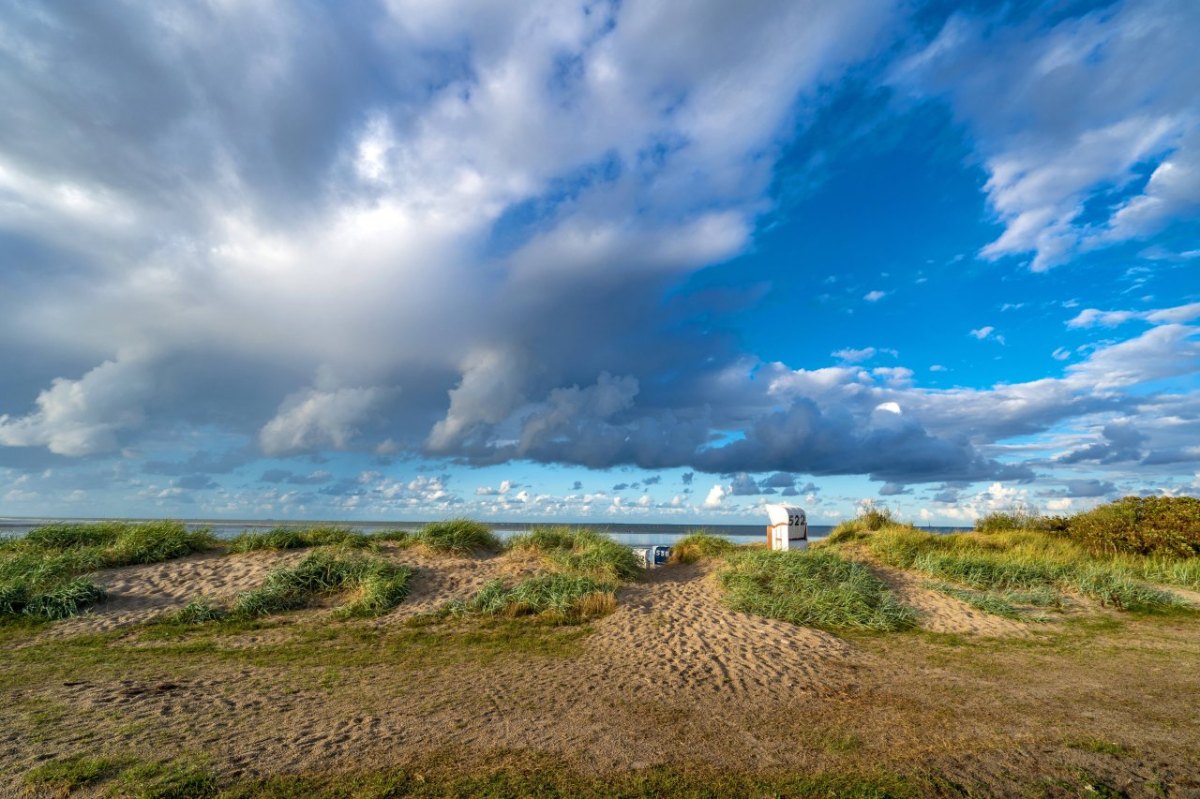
[
  {"x": 560, "y": 598},
  {"x": 281, "y": 538},
  {"x": 815, "y": 588},
  {"x": 42, "y": 575},
  {"x": 374, "y": 585},
  {"x": 457, "y": 537},
  {"x": 1022, "y": 560},
  {"x": 581, "y": 552},
  {"x": 991, "y": 602},
  {"x": 698, "y": 546}
]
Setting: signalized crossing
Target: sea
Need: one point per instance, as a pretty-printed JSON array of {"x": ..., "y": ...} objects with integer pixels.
[{"x": 634, "y": 535}]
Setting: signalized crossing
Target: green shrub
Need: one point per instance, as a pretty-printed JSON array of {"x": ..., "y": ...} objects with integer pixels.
[
  {"x": 458, "y": 537},
  {"x": 1005, "y": 521},
  {"x": 582, "y": 552},
  {"x": 700, "y": 546},
  {"x": 1141, "y": 525},
  {"x": 558, "y": 597},
  {"x": 813, "y": 588}
]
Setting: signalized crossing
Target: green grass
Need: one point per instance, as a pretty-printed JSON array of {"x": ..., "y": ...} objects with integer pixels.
[
  {"x": 581, "y": 552},
  {"x": 77, "y": 771},
  {"x": 990, "y": 602},
  {"x": 42, "y": 574},
  {"x": 439, "y": 775},
  {"x": 813, "y": 588},
  {"x": 554, "y": 781},
  {"x": 559, "y": 598},
  {"x": 375, "y": 586},
  {"x": 1020, "y": 561},
  {"x": 126, "y": 777},
  {"x": 281, "y": 538},
  {"x": 700, "y": 545},
  {"x": 199, "y": 611},
  {"x": 457, "y": 537}
]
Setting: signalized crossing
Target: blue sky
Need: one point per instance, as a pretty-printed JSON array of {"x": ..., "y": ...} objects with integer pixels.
[{"x": 613, "y": 262}]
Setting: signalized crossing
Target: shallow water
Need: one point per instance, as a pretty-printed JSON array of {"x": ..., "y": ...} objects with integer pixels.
[{"x": 636, "y": 535}]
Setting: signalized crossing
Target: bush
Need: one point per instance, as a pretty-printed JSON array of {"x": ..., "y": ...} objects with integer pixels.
[
  {"x": 700, "y": 546},
  {"x": 557, "y": 597},
  {"x": 458, "y": 537},
  {"x": 812, "y": 588},
  {"x": 582, "y": 552},
  {"x": 1141, "y": 525}
]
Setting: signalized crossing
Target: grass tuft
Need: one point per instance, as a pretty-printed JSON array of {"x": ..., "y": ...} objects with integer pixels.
[
  {"x": 458, "y": 537},
  {"x": 281, "y": 538},
  {"x": 377, "y": 586},
  {"x": 581, "y": 552},
  {"x": 812, "y": 588},
  {"x": 700, "y": 545},
  {"x": 554, "y": 597},
  {"x": 199, "y": 611},
  {"x": 41, "y": 575}
]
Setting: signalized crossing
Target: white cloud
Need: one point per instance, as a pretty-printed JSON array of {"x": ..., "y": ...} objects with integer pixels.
[
  {"x": 874, "y": 296},
  {"x": 314, "y": 418},
  {"x": 1092, "y": 317},
  {"x": 84, "y": 416},
  {"x": 1062, "y": 112},
  {"x": 716, "y": 496}
]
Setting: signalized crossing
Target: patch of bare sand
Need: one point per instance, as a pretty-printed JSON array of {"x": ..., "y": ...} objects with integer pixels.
[
  {"x": 940, "y": 613},
  {"x": 137, "y": 594}
]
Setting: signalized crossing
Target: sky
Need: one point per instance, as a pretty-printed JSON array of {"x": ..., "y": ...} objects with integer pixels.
[{"x": 611, "y": 261}]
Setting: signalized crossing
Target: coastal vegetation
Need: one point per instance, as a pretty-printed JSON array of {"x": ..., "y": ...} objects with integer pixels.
[
  {"x": 698, "y": 546},
  {"x": 43, "y": 574},
  {"x": 374, "y": 586},
  {"x": 555, "y": 598},
  {"x": 580, "y": 552},
  {"x": 281, "y": 538},
  {"x": 812, "y": 588},
  {"x": 457, "y": 537}
]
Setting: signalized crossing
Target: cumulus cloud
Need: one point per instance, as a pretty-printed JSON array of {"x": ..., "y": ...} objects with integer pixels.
[
  {"x": 83, "y": 416},
  {"x": 313, "y": 419}
]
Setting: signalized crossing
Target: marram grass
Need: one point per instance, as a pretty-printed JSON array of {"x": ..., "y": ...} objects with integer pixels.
[
  {"x": 554, "y": 597},
  {"x": 374, "y": 585},
  {"x": 281, "y": 538},
  {"x": 814, "y": 588},
  {"x": 581, "y": 552},
  {"x": 42, "y": 575},
  {"x": 1023, "y": 561},
  {"x": 699, "y": 546},
  {"x": 457, "y": 537}
]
